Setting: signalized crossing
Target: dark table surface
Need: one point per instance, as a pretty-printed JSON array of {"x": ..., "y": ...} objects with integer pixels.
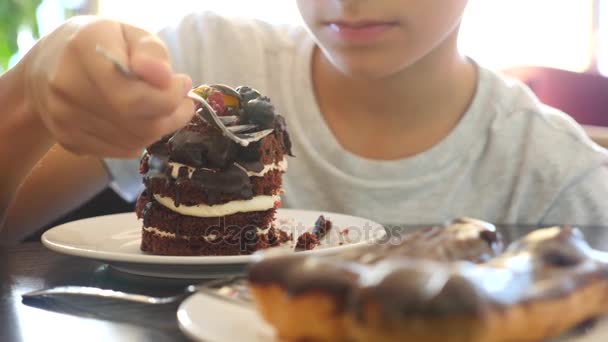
[{"x": 31, "y": 266}]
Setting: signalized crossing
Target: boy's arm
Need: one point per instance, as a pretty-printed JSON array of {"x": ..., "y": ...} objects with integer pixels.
[
  {"x": 25, "y": 138},
  {"x": 584, "y": 202},
  {"x": 38, "y": 183},
  {"x": 60, "y": 182},
  {"x": 63, "y": 92}
]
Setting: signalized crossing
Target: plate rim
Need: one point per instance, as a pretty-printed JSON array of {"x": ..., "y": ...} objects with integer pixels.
[
  {"x": 191, "y": 260},
  {"x": 183, "y": 315}
]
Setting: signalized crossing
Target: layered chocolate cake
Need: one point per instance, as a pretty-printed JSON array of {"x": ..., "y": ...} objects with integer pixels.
[
  {"x": 208, "y": 194},
  {"x": 439, "y": 284}
]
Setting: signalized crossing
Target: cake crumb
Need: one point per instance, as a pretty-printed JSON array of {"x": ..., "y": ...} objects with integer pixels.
[
  {"x": 310, "y": 240},
  {"x": 322, "y": 227},
  {"x": 307, "y": 241}
]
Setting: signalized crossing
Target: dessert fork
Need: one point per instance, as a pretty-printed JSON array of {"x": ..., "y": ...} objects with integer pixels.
[
  {"x": 232, "y": 289},
  {"x": 243, "y": 139},
  {"x": 209, "y": 114}
]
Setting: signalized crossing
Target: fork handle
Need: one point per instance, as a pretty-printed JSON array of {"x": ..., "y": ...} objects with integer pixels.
[{"x": 97, "y": 292}]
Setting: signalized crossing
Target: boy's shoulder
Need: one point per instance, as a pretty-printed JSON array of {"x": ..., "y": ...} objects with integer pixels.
[{"x": 544, "y": 140}]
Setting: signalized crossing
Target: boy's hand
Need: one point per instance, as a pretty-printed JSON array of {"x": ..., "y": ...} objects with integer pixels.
[{"x": 87, "y": 105}]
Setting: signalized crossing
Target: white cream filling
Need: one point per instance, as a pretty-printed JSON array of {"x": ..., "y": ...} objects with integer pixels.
[
  {"x": 280, "y": 166},
  {"x": 175, "y": 169},
  {"x": 161, "y": 233},
  {"x": 257, "y": 203},
  {"x": 262, "y": 231}
]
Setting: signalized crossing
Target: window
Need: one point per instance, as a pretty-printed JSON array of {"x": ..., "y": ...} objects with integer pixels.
[{"x": 506, "y": 33}]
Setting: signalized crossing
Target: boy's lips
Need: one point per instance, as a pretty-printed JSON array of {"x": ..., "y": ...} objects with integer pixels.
[{"x": 359, "y": 32}]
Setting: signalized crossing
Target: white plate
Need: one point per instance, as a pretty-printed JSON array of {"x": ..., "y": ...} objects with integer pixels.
[
  {"x": 115, "y": 239},
  {"x": 207, "y": 318}
]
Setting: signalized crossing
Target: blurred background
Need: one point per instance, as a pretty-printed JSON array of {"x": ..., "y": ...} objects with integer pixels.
[
  {"x": 558, "y": 47},
  {"x": 566, "y": 34}
]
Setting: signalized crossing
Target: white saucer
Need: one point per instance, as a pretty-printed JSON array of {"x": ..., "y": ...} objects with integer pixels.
[
  {"x": 207, "y": 318},
  {"x": 115, "y": 239}
]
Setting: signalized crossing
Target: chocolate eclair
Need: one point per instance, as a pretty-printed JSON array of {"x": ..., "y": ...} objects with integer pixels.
[{"x": 452, "y": 283}]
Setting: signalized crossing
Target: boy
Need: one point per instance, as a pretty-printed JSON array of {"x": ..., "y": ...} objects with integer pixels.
[{"x": 388, "y": 120}]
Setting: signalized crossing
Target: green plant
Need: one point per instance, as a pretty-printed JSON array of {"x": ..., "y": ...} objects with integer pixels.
[{"x": 14, "y": 15}]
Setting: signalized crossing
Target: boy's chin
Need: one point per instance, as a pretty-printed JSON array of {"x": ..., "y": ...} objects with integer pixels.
[{"x": 367, "y": 69}]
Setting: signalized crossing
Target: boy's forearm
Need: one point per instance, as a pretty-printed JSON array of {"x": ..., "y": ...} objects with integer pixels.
[{"x": 25, "y": 139}]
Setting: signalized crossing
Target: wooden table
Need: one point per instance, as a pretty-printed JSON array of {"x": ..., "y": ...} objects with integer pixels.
[{"x": 30, "y": 266}]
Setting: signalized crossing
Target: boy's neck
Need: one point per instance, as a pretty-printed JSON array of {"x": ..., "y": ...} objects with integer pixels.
[{"x": 423, "y": 102}]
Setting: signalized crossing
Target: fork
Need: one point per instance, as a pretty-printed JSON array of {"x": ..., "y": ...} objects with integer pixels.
[
  {"x": 243, "y": 139},
  {"x": 232, "y": 289},
  {"x": 209, "y": 114}
]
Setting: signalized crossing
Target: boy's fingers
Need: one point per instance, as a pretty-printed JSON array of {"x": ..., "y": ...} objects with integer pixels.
[
  {"x": 136, "y": 37},
  {"x": 148, "y": 56},
  {"x": 180, "y": 117},
  {"x": 151, "y": 70},
  {"x": 138, "y": 100},
  {"x": 89, "y": 124}
]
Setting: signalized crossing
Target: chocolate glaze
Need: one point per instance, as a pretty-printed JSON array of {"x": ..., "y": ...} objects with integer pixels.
[
  {"x": 407, "y": 288},
  {"x": 521, "y": 275},
  {"x": 281, "y": 127},
  {"x": 160, "y": 147},
  {"x": 546, "y": 264},
  {"x": 231, "y": 180},
  {"x": 209, "y": 149},
  {"x": 338, "y": 275},
  {"x": 462, "y": 239},
  {"x": 219, "y": 164}
]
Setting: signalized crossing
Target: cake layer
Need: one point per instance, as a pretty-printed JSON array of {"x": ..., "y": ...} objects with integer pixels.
[
  {"x": 157, "y": 216},
  {"x": 157, "y": 242},
  {"x": 189, "y": 192}
]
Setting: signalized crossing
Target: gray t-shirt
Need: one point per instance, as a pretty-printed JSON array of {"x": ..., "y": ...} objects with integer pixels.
[{"x": 510, "y": 160}]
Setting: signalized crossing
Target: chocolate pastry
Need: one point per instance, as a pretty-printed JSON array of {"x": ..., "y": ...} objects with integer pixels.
[{"x": 451, "y": 283}]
